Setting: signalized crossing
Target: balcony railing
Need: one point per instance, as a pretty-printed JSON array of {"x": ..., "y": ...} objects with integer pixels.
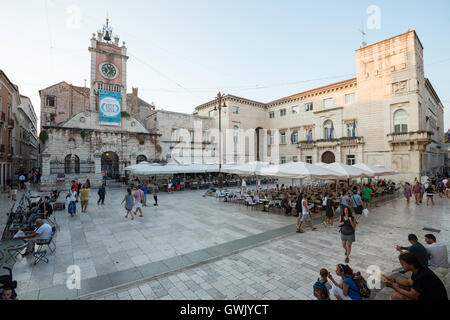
[
  {"x": 420, "y": 139},
  {"x": 324, "y": 143}
]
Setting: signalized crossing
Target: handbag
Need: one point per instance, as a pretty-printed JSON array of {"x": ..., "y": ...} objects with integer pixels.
[{"x": 366, "y": 212}]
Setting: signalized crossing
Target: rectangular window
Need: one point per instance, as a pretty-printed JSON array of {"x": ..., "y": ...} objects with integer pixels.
[
  {"x": 309, "y": 159},
  {"x": 283, "y": 138},
  {"x": 50, "y": 102},
  {"x": 295, "y": 109},
  {"x": 350, "y": 160},
  {"x": 350, "y": 98},
  {"x": 401, "y": 128},
  {"x": 295, "y": 159},
  {"x": 328, "y": 102},
  {"x": 294, "y": 137},
  {"x": 271, "y": 141},
  {"x": 235, "y": 110},
  {"x": 349, "y": 127},
  {"x": 271, "y": 115},
  {"x": 283, "y": 160},
  {"x": 309, "y": 106},
  {"x": 191, "y": 135},
  {"x": 282, "y": 112}
]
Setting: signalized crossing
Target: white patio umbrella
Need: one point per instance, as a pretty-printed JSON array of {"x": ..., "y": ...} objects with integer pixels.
[
  {"x": 376, "y": 170},
  {"x": 246, "y": 169},
  {"x": 387, "y": 170},
  {"x": 348, "y": 171},
  {"x": 302, "y": 170}
]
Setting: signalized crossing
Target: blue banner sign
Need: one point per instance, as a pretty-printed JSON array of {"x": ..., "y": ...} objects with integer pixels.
[{"x": 109, "y": 108}]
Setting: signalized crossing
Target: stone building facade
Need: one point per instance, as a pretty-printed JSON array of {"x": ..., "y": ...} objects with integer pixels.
[
  {"x": 9, "y": 99},
  {"x": 83, "y": 143},
  {"x": 25, "y": 140},
  {"x": 388, "y": 115},
  {"x": 185, "y": 138}
]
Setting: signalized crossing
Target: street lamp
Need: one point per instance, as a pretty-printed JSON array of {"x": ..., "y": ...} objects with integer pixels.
[{"x": 219, "y": 101}]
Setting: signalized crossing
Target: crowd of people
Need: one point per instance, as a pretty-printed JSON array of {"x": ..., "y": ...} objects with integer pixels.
[{"x": 430, "y": 187}]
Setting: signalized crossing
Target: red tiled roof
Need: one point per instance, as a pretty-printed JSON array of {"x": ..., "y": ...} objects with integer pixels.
[{"x": 320, "y": 88}]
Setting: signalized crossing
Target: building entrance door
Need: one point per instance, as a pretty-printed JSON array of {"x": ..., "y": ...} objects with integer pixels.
[{"x": 328, "y": 157}]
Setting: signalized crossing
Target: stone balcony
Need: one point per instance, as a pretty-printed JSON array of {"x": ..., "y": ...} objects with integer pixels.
[
  {"x": 325, "y": 143},
  {"x": 417, "y": 140}
]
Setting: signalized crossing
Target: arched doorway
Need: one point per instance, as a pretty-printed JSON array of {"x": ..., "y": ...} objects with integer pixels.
[
  {"x": 328, "y": 157},
  {"x": 110, "y": 164},
  {"x": 141, "y": 158}
]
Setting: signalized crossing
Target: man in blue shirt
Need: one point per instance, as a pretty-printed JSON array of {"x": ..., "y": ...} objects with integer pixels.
[
  {"x": 144, "y": 199},
  {"x": 416, "y": 248}
]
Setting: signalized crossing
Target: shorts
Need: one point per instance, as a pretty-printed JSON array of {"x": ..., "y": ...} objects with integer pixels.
[
  {"x": 329, "y": 214},
  {"x": 429, "y": 195},
  {"x": 350, "y": 238},
  {"x": 14, "y": 191},
  {"x": 83, "y": 203},
  {"x": 138, "y": 205},
  {"x": 358, "y": 210},
  {"x": 366, "y": 200},
  {"x": 305, "y": 216}
]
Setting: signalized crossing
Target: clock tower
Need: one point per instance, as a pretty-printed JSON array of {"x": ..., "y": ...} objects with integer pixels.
[{"x": 108, "y": 72}]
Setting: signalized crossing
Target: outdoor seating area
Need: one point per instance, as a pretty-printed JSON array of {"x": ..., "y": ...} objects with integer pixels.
[
  {"x": 316, "y": 181},
  {"x": 22, "y": 220}
]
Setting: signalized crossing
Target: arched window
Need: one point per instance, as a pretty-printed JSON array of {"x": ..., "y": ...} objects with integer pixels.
[
  {"x": 71, "y": 164},
  {"x": 401, "y": 121},
  {"x": 328, "y": 129}
]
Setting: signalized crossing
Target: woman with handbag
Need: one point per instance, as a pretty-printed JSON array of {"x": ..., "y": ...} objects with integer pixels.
[
  {"x": 357, "y": 204},
  {"x": 347, "y": 226}
]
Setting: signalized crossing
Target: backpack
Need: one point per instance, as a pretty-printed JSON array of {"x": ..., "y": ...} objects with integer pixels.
[
  {"x": 320, "y": 290},
  {"x": 347, "y": 229},
  {"x": 362, "y": 285}
]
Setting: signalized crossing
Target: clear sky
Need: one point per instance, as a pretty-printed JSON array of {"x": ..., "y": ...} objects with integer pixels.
[{"x": 182, "y": 52}]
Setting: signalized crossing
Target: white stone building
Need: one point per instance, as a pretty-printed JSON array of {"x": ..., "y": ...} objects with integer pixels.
[{"x": 388, "y": 115}]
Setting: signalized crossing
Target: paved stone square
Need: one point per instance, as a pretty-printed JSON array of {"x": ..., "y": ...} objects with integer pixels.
[
  {"x": 288, "y": 267},
  {"x": 192, "y": 247}
]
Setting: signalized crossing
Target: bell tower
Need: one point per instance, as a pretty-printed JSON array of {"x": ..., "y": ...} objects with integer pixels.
[{"x": 108, "y": 67}]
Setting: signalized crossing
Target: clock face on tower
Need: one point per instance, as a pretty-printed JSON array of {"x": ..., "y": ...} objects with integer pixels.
[{"x": 109, "y": 70}]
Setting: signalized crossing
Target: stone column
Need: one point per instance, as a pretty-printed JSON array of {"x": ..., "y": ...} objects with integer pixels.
[{"x": 46, "y": 165}]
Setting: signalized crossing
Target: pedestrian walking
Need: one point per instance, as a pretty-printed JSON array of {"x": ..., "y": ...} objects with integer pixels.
[
  {"x": 329, "y": 211},
  {"x": 101, "y": 194},
  {"x": 138, "y": 195},
  {"x": 305, "y": 217},
  {"x": 128, "y": 199},
  {"x": 416, "y": 190},
  {"x": 357, "y": 206},
  {"x": 347, "y": 226},
  {"x": 367, "y": 196},
  {"x": 430, "y": 192},
  {"x": 407, "y": 192},
  {"x": 71, "y": 202},
  {"x": 84, "y": 197},
  {"x": 155, "y": 194},
  {"x": 144, "y": 197}
]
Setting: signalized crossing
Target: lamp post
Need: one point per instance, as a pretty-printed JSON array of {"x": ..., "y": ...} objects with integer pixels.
[{"x": 219, "y": 101}]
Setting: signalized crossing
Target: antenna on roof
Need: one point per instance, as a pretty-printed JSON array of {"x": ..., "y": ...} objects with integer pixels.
[{"x": 363, "y": 33}]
